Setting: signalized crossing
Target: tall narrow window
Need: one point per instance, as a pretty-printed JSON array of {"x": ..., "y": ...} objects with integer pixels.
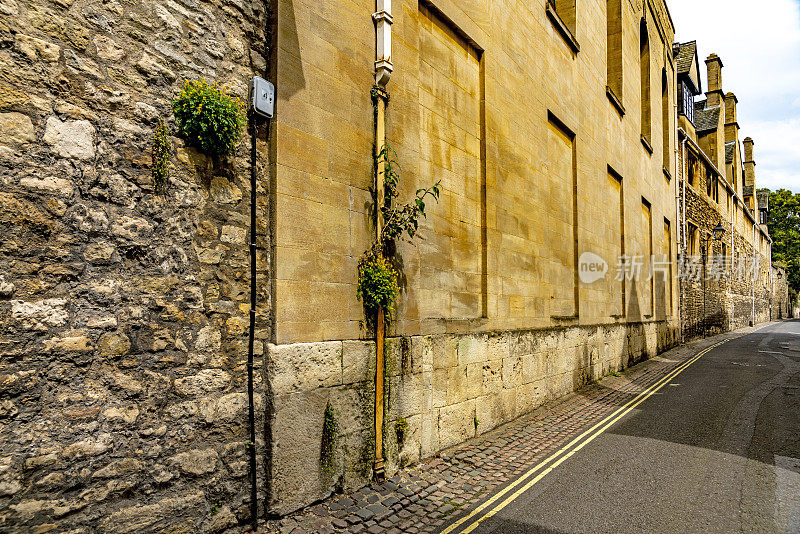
[
  {"x": 644, "y": 63},
  {"x": 693, "y": 240},
  {"x": 648, "y": 286},
  {"x": 614, "y": 44},
  {"x": 667, "y": 272},
  {"x": 665, "y": 130}
]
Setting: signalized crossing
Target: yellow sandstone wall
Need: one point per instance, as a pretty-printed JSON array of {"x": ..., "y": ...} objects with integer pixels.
[
  {"x": 483, "y": 94},
  {"x": 537, "y": 166}
]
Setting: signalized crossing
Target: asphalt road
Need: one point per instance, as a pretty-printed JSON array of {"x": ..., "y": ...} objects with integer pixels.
[{"x": 715, "y": 450}]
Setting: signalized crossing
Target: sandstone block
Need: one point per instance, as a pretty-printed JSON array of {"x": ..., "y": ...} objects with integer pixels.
[
  {"x": 306, "y": 366},
  {"x": 39, "y": 315},
  {"x": 70, "y": 139},
  {"x": 16, "y": 129},
  {"x": 456, "y": 423},
  {"x": 49, "y": 184},
  {"x": 297, "y": 439},
  {"x": 209, "y": 339},
  {"x": 234, "y": 235},
  {"x": 471, "y": 349},
  {"x": 124, "y": 467},
  {"x": 128, "y": 414},
  {"x": 99, "y": 253},
  {"x": 358, "y": 361},
  {"x": 72, "y": 342},
  {"x": 222, "y": 520},
  {"x": 142, "y": 517},
  {"x": 6, "y": 288},
  {"x": 92, "y": 446},
  {"x": 44, "y": 460},
  {"x": 224, "y": 192},
  {"x": 108, "y": 49},
  {"x": 134, "y": 229},
  {"x": 205, "y": 381},
  {"x": 113, "y": 345},
  {"x": 196, "y": 462},
  {"x": 228, "y": 408},
  {"x": 153, "y": 68}
]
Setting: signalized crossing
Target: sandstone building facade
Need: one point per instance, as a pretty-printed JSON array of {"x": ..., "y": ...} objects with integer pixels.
[
  {"x": 734, "y": 286},
  {"x": 551, "y": 126}
]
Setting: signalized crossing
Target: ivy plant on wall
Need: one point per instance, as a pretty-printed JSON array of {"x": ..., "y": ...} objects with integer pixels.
[
  {"x": 208, "y": 118},
  {"x": 161, "y": 150}
]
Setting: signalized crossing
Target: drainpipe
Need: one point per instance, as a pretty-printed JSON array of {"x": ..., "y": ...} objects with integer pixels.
[
  {"x": 383, "y": 71},
  {"x": 683, "y": 230},
  {"x": 677, "y": 140},
  {"x": 251, "y": 418}
]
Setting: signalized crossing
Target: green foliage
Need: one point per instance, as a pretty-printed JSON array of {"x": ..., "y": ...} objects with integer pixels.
[
  {"x": 208, "y": 118},
  {"x": 377, "y": 279},
  {"x": 403, "y": 219},
  {"x": 330, "y": 435},
  {"x": 400, "y": 429},
  {"x": 783, "y": 222},
  {"x": 161, "y": 153},
  {"x": 377, "y": 283}
]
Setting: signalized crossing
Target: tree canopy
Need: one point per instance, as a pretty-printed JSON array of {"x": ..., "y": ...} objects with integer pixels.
[{"x": 783, "y": 221}]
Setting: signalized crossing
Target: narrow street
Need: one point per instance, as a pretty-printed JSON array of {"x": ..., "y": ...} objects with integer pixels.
[{"x": 713, "y": 447}]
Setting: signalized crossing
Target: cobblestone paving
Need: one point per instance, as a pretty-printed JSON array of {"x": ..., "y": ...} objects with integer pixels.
[{"x": 431, "y": 495}]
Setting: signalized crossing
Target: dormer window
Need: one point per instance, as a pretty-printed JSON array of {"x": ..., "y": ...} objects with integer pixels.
[{"x": 686, "y": 101}]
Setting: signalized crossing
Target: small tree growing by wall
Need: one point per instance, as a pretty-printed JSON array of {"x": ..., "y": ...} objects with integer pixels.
[{"x": 377, "y": 278}]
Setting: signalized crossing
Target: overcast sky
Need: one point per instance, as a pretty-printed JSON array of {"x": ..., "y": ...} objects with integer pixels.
[{"x": 759, "y": 43}]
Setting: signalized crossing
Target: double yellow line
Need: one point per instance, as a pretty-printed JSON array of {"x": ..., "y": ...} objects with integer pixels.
[{"x": 481, "y": 513}]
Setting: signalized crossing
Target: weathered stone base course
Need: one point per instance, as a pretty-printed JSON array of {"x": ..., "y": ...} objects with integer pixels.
[
  {"x": 446, "y": 388},
  {"x": 429, "y": 496}
]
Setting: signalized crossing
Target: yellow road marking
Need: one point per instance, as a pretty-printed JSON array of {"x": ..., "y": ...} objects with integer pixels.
[{"x": 603, "y": 425}]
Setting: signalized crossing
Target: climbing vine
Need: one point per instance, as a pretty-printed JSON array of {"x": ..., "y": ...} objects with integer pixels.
[
  {"x": 400, "y": 429},
  {"x": 160, "y": 157}
]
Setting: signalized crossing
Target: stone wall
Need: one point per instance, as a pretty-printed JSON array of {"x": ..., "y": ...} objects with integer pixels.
[
  {"x": 730, "y": 301},
  {"x": 781, "y": 306},
  {"x": 447, "y": 388},
  {"x": 123, "y": 313}
]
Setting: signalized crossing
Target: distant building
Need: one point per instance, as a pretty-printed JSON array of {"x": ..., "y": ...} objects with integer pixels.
[{"x": 716, "y": 190}]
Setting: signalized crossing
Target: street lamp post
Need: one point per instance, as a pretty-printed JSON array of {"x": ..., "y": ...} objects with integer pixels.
[{"x": 717, "y": 232}]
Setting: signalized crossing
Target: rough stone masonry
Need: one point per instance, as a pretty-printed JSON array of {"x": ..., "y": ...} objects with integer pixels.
[{"x": 123, "y": 313}]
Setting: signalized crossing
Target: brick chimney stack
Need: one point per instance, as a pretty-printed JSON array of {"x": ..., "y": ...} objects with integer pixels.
[
  {"x": 749, "y": 164},
  {"x": 714, "y": 68},
  {"x": 731, "y": 122}
]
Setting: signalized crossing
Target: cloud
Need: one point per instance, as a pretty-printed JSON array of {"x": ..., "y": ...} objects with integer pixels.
[{"x": 760, "y": 47}]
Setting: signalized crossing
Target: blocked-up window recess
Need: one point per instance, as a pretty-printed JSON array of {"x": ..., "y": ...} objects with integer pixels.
[
  {"x": 614, "y": 47},
  {"x": 563, "y": 14},
  {"x": 644, "y": 64}
]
